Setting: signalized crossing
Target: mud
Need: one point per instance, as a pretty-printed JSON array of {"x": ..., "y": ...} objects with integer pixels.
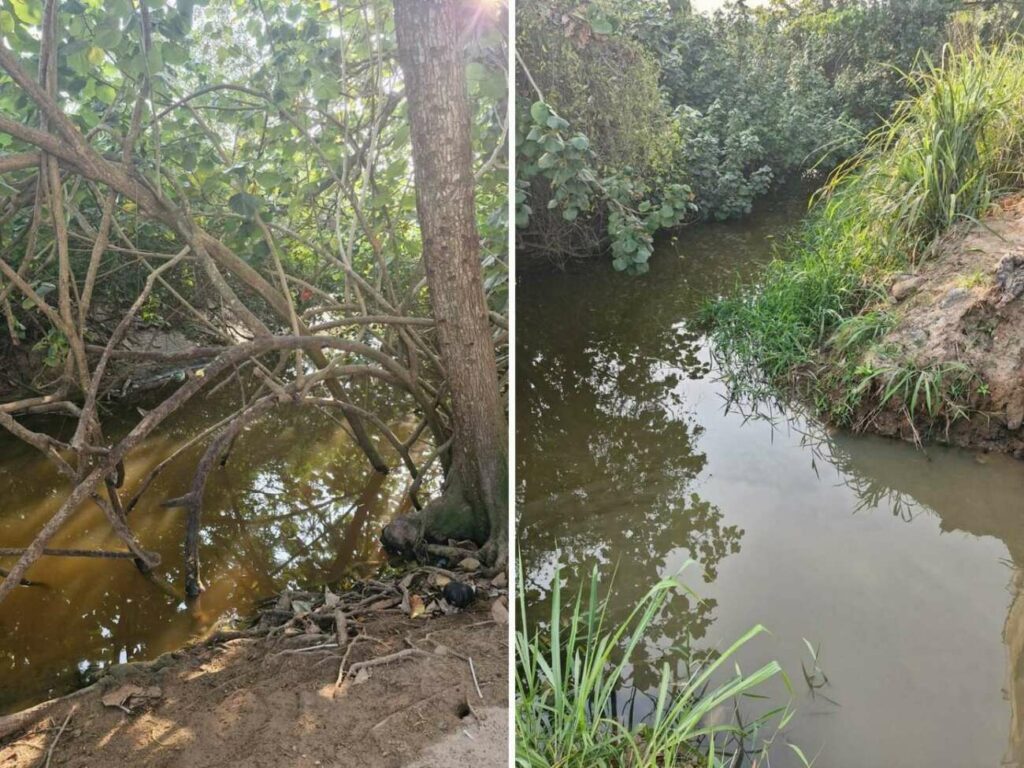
[{"x": 963, "y": 305}]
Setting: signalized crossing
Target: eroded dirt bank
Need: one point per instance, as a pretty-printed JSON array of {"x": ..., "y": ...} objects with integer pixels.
[
  {"x": 410, "y": 682},
  {"x": 954, "y": 333}
]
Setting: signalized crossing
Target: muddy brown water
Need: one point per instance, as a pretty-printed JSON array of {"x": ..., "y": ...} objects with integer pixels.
[
  {"x": 296, "y": 504},
  {"x": 903, "y": 568}
]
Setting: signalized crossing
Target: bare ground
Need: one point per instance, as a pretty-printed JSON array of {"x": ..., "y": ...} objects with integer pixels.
[
  {"x": 965, "y": 304},
  {"x": 409, "y": 696}
]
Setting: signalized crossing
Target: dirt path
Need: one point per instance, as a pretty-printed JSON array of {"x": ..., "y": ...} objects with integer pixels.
[{"x": 271, "y": 701}]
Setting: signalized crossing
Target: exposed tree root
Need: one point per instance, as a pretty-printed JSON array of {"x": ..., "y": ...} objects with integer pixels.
[{"x": 429, "y": 533}]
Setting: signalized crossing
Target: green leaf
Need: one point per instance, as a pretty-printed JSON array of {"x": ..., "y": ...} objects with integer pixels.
[
  {"x": 326, "y": 88},
  {"x": 95, "y": 55},
  {"x": 42, "y": 290},
  {"x": 539, "y": 112},
  {"x": 107, "y": 37},
  {"x": 269, "y": 179},
  {"x": 553, "y": 144},
  {"x": 244, "y": 204},
  {"x": 175, "y": 54},
  {"x": 580, "y": 142},
  {"x": 88, "y": 116},
  {"x": 155, "y": 58},
  {"x": 28, "y": 11},
  {"x": 106, "y": 94}
]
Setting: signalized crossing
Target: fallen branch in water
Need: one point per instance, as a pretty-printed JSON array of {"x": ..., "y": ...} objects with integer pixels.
[{"x": 110, "y": 554}]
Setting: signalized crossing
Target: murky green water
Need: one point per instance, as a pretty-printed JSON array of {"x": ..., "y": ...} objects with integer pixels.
[
  {"x": 903, "y": 567},
  {"x": 295, "y": 504}
]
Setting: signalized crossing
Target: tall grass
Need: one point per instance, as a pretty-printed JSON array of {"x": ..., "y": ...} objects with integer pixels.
[
  {"x": 941, "y": 159},
  {"x": 568, "y": 678}
]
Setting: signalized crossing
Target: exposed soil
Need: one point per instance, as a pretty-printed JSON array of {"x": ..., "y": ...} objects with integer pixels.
[
  {"x": 266, "y": 697},
  {"x": 963, "y": 305}
]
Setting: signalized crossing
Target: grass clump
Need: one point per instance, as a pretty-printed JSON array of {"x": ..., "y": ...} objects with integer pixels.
[
  {"x": 941, "y": 393},
  {"x": 945, "y": 155},
  {"x": 569, "y": 678},
  {"x": 934, "y": 389}
]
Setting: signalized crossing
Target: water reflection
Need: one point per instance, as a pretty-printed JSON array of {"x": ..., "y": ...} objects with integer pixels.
[
  {"x": 904, "y": 567},
  {"x": 608, "y": 443},
  {"x": 596, "y": 469},
  {"x": 294, "y": 504},
  {"x": 981, "y": 496}
]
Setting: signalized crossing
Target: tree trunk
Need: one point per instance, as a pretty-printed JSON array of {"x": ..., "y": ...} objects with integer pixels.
[{"x": 475, "y": 499}]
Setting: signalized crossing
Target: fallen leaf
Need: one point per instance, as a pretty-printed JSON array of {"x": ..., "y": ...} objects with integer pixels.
[
  {"x": 361, "y": 676},
  {"x": 330, "y": 599},
  {"x": 469, "y": 564},
  {"x": 119, "y": 696},
  {"x": 301, "y": 607},
  {"x": 439, "y": 580},
  {"x": 499, "y": 611},
  {"x": 500, "y": 581},
  {"x": 416, "y": 607}
]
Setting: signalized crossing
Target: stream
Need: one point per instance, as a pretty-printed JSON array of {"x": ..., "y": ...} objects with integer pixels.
[
  {"x": 296, "y": 505},
  {"x": 901, "y": 567}
]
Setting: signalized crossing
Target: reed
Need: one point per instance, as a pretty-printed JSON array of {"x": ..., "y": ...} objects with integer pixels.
[{"x": 568, "y": 677}]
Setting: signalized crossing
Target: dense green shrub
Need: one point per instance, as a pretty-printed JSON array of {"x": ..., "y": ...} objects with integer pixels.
[
  {"x": 784, "y": 88},
  {"x": 604, "y": 177},
  {"x": 947, "y": 153},
  {"x": 562, "y": 168},
  {"x": 605, "y": 83},
  {"x": 724, "y": 104}
]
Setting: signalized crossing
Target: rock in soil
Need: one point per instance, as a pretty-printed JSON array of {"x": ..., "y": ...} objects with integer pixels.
[{"x": 905, "y": 286}]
